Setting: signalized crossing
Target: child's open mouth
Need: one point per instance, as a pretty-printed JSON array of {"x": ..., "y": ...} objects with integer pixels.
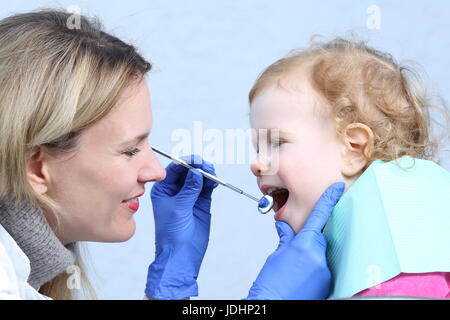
[{"x": 280, "y": 196}]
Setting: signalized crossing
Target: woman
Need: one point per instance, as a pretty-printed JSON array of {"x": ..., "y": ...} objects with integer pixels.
[{"x": 75, "y": 115}]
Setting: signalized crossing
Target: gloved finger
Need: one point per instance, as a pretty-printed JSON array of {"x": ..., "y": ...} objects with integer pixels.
[
  {"x": 198, "y": 162},
  {"x": 208, "y": 184},
  {"x": 285, "y": 232},
  {"x": 190, "y": 191},
  {"x": 203, "y": 216},
  {"x": 194, "y": 160},
  {"x": 204, "y": 200},
  {"x": 174, "y": 173},
  {"x": 171, "y": 185},
  {"x": 324, "y": 206}
]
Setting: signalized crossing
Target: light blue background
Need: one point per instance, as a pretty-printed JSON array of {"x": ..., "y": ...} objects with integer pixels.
[{"x": 206, "y": 55}]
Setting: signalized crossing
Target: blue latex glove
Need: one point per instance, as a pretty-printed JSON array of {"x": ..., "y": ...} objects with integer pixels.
[
  {"x": 298, "y": 267},
  {"x": 181, "y": 209}
]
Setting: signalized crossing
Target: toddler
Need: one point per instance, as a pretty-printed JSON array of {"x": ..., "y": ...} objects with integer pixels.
[{"x": 335, "y": 108}]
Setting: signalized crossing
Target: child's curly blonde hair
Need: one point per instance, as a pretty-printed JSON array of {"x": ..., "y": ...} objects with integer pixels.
[{"x": 364, "y": 85}]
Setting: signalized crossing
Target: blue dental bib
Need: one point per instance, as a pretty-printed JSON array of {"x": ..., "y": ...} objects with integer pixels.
[{"x": 391, "y": 220}]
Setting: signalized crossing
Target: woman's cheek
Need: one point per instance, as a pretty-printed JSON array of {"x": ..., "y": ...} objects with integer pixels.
[{"x": 121, "y": 179}]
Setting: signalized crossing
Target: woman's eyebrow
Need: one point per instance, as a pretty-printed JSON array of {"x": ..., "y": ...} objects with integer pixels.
[{"x": 135, "y": 140}]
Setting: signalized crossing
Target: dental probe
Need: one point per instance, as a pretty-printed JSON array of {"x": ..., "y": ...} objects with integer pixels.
[{"x": 265, "y": 204}]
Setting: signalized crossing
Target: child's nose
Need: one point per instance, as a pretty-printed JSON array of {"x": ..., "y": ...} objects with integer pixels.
[{"x": 259, "y": 166}]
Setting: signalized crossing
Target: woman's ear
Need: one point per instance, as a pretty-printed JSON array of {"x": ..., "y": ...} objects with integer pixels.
[
  {"x": 37, "y": 171},
  {"x": 358, "y": 144}
]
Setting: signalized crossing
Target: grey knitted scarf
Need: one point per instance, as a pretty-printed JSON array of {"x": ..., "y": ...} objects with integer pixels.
[{"x": 29, "y": 228}]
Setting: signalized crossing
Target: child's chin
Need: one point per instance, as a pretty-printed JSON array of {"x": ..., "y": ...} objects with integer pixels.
[
  {"x": 295, "y": 222},
  {"x": 285, "y": 217}
]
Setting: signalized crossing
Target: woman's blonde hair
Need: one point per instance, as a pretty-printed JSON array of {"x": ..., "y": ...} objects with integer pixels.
[
  {"x": 55, "y": 81},
  {"x": 364, "y": 85}
]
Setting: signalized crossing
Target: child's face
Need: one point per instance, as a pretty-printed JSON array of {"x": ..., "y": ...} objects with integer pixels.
[{"x": 309, "y": 154}]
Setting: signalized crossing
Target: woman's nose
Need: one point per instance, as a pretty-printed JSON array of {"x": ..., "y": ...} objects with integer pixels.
[
  {"x": 153, "y": 171},
  {"x": 259, "y": 166}
]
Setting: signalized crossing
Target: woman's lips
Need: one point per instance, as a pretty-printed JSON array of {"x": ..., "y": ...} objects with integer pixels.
[{"x": 133, "y": 206}]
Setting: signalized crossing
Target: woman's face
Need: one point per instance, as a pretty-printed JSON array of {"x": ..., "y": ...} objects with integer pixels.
[{"x": 112, "y": 164}]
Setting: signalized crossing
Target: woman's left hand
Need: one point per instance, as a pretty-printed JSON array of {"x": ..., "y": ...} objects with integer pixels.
[
  {"x": 298, "y": 269},
  {"x": 181, "y": 209}
]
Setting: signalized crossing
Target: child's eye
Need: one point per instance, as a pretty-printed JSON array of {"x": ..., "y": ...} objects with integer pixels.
[
  {"x": 277, "y": 143},
  {"x": 132, "y": 152}
]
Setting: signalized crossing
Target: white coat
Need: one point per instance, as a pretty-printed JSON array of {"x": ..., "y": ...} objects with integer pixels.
[{"x": 14, "y": 271}]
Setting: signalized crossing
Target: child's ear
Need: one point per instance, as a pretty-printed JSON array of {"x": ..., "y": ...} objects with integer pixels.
[{"x": 358, "y": 141}]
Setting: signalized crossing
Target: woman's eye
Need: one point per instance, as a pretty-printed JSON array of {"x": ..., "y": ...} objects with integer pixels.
[{"x": 131, "y": 152}]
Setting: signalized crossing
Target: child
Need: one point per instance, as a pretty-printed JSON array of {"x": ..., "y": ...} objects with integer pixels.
[{"x": 336, "y": 108}]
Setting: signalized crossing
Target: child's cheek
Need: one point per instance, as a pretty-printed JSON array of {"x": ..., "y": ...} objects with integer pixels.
[{"x": 300, "y": 178}]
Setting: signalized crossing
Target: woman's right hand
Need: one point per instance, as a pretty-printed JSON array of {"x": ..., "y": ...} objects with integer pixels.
[
  {"x": 298, "y": 267},
  {"x": 181, "y": 209}
]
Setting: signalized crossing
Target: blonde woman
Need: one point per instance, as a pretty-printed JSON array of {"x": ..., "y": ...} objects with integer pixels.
[{"x": 75, "y": 117}]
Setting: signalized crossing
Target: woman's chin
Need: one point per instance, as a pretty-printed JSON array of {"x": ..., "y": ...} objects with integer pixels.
[{"x": 123, "y": 232}]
